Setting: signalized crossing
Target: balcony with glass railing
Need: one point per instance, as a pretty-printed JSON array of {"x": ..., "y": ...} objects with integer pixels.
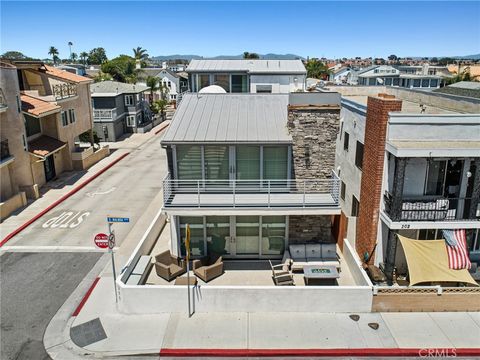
[{"x": 238, "y": 194}]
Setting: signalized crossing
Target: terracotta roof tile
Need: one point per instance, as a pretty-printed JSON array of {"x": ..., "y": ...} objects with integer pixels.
[
  {"x": 44, "y": 145},
  {"x": 37, "y": 107},
  {"x": 65, "y": 75}
]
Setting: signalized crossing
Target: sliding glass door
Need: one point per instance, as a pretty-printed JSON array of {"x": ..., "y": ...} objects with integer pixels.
[
  {"x": 275, "y": 165},
  {"x": 216, "y": 160},
  {"x": 234, "y": 236}
]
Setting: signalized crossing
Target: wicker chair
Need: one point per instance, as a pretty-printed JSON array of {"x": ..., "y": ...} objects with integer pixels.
[
  {"x": 169, "y": 266},
  {"x": 208, "y": 268}
]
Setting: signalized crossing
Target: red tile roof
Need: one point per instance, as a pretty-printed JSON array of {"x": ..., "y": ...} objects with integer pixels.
[
  {"x": 65, "y": 75},
  {"x": 44, "y": 145},
  {"x": 37, "y": 107}
]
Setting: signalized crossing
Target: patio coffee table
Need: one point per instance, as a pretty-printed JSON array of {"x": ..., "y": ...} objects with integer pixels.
[{"x": 322, "y": 274}]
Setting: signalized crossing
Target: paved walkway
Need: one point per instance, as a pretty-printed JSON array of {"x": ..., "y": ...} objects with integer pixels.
[{"x": 135, "y": 334}]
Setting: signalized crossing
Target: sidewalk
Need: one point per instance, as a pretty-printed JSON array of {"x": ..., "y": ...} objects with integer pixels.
[
  {"x": 219, "y": 333},
  {"x": 68, "y": 181}
]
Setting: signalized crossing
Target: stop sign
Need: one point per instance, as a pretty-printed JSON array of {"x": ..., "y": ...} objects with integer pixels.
[{"x": 101, "y": 240}]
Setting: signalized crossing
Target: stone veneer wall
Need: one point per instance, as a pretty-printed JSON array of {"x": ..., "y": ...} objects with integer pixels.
[
  {"x": 314, "y": 132},
  {"x": 310, "y": 228}
]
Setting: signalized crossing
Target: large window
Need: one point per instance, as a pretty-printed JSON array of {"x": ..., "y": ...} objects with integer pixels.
[
  {"x": 216, "y": 163},
  {"x": 32, "y": 125},
  {"x": 203, "y": 80},
  {"x": 222, "y": 80},
  {"x": 189, "y": 162},
  {"x": 359, "y": 155},
  {"x": 248, "y": 162},
  {"x": 273, "y": 235},
  {"x": 64, "y": 118},
  {"x": 218, "y": 232},
  {"x": 275, "y": 162},
  {"x": 197, "y": 245},
  {"x": 435, "y": 177},
  {"x": 239, "y": 84},
  {"x": 71, "y": 115}
]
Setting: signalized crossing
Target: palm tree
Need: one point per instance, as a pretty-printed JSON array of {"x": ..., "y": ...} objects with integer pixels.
[
  {"x": 317, "y": 69},
  {"x": 74, "y": 57},
  {"x": 101, "y": 76},
  {"x": 152, "y": 83},
  {"x": 54, "y": 52},
  {"x": 140, "y": 54},
  {"x": 70, "y": 44},
  {"x": 84, "y": 56}
]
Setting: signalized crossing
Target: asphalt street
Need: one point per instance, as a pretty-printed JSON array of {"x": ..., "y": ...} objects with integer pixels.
[
  {"x": 34, "y": 286},
  {"x": 125, "y": 190}
]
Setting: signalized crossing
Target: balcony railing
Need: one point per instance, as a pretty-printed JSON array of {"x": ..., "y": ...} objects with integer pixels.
[
  {"x": 104, "y": 114},
  {"x": 251, "y": 193},
  {"x": 431, "y": 208},
  {"x": 4, "y": 150},
  {"x": 62, "y": 91}
]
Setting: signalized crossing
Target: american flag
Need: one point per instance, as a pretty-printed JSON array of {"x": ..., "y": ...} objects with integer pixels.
[{"x": 456, "y": 242}]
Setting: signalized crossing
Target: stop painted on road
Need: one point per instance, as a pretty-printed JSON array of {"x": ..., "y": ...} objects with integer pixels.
[{"x": 66, "y": 219}]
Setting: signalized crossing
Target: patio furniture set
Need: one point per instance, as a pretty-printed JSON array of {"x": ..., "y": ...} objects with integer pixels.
[
  {"x": 318, "y": 262},
  {"x": 169, "y": 267}
]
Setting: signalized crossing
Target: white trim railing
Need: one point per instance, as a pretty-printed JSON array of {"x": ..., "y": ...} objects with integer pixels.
[
  {"x": 106, "y": 114},
  {"x": 302, "y": 193}
]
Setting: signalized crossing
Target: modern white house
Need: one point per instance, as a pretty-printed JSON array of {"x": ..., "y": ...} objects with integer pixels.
[
  {"x": 248, "y": 76},
  {"x": 340, "y": 76},
  {"x": 239, "y": 176},
  {"x": 407, "y": 168},
  {"x": 399, "y": 77},
  {"x": 175, "y": 83}
]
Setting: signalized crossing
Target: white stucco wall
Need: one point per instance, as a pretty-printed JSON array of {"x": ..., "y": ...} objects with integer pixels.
[
  {"x": 280, "y": 83},
  {"x": 350, "y": 174}
]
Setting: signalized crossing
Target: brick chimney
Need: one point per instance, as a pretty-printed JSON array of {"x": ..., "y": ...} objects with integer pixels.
[{"x": 372, "y": 171}]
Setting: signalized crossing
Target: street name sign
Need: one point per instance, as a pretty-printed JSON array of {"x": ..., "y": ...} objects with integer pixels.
[
  {"x": 118, "y": 219},
  {"x": 101, "y": 240}
]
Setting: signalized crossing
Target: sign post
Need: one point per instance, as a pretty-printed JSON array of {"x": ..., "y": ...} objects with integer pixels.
[
  {"x": 187, "y": 247},
  {"x": 111, "y": 245}
]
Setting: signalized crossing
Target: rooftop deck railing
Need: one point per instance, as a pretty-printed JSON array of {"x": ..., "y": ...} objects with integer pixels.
[
  {"x": 62, "y": 91},
  {"x": 300, "y": 193}
]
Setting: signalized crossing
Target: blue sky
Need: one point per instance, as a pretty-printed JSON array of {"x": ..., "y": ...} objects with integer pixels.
[{"x": 315, "y": 29}]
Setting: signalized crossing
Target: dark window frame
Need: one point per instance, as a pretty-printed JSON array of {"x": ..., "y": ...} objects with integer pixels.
[
  {"x": 359, "y": 159},
  {"x": 343, "y": 190},
  {"x": 355, "y": 206},
  {"x": 346, "y": 140}
]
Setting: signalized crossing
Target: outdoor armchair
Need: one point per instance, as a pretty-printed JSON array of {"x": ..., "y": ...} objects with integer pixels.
[
  {"x": 208, "y": 268},
  {"x": 281, "y": 274},
  {"x": 169, "y": 266}
]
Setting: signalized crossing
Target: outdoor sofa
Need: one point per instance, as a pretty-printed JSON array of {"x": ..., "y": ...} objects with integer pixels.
[
  {"x": 208, "y": 267},
  {"x": 169, "y": 266},
  {"x": 299, "y": 255}
]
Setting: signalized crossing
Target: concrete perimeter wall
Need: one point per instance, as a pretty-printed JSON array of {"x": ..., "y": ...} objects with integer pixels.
[{"x": 148, "y": 299}]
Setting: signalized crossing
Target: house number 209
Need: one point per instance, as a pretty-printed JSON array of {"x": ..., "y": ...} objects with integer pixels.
[{"x": 405, "y": 226}]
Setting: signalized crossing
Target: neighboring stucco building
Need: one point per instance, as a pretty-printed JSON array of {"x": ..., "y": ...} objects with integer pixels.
[
  {"x": 248, "y": 76},
  {"x": 399, "y": 77},
  {"x": 47, "y": 109},
  {"x": 407, "y": 168},
  {"x": 119, "y": 108}
]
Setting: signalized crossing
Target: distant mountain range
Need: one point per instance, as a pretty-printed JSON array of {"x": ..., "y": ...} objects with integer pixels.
[{"x": 228, "y": 57}]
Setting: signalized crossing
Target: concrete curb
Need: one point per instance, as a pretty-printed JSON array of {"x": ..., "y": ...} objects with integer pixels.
[
  {"x": 162, "y": 127},
  {"x": 63, "y": 198},
  {"x": 56, "y": 338}
]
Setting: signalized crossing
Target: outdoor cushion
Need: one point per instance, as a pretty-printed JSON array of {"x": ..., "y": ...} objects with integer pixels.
[
  {"x": 297, "y": 252},
  {"x": 313, "y": 251},
  {"x": 174, "y": 268},
  {"x": 329, "y": 251}
]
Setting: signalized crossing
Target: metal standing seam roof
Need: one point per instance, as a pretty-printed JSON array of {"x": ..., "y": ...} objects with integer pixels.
[
  {"x": 230, "y": 118},
  {"x": 251, "y": 66},
  {"x": 113, "y": 88}
]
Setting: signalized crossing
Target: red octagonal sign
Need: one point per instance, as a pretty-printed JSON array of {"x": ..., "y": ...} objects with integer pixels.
[{"x": 101, "y": 240}]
